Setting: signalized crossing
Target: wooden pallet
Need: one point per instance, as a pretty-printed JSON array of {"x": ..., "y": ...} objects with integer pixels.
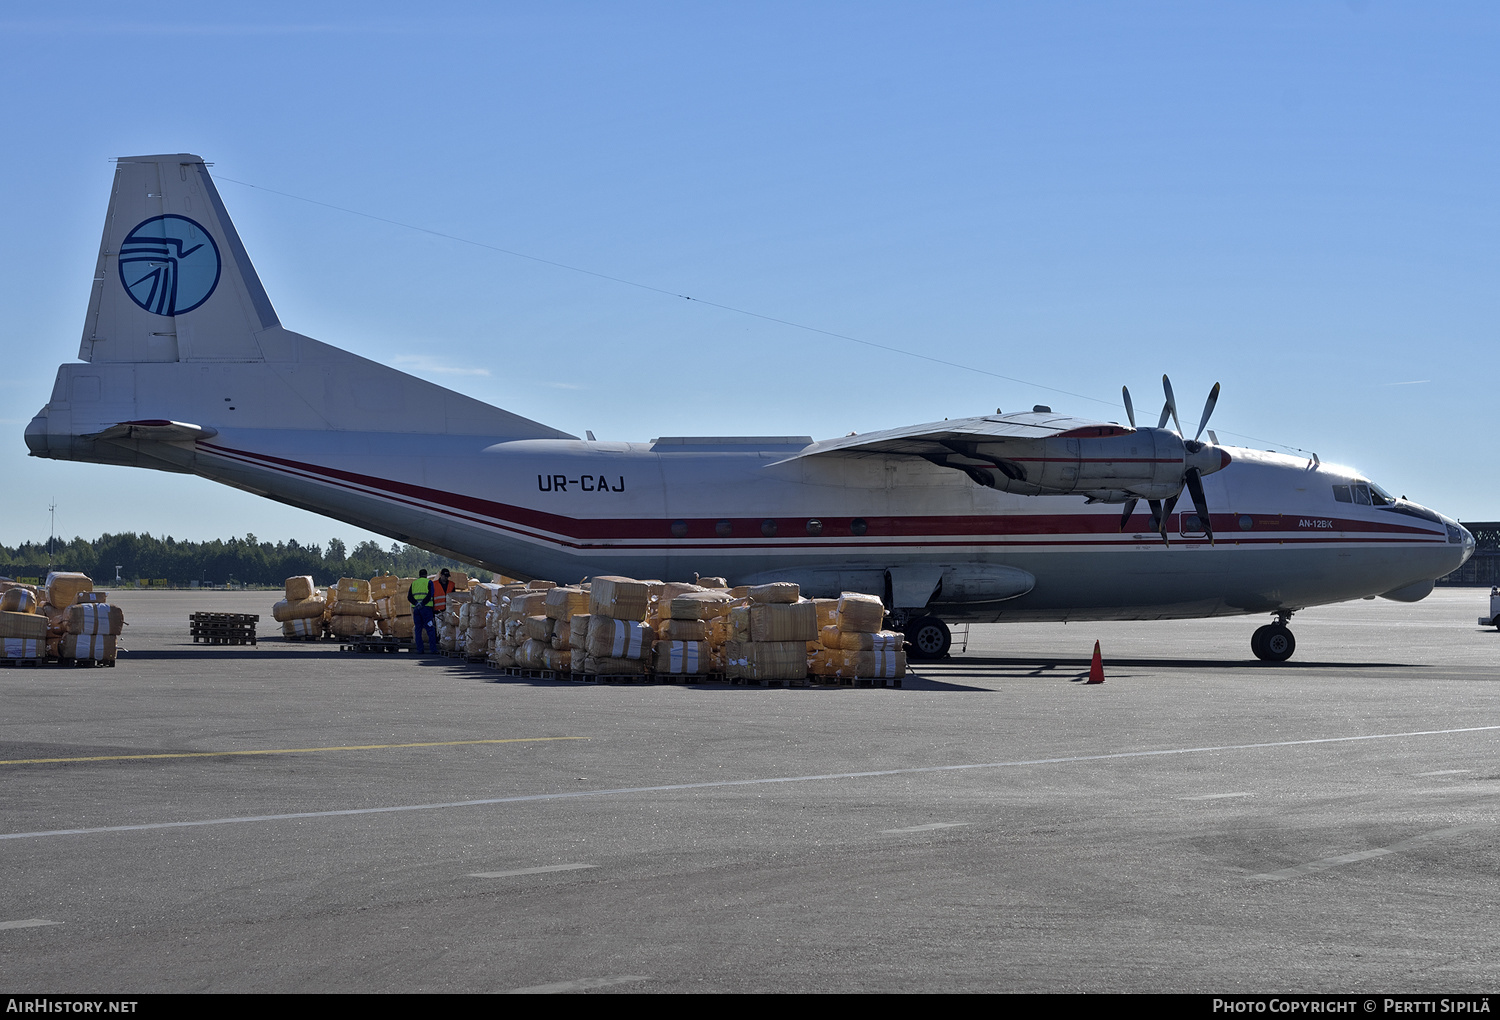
[
  {"x": 223, "y": 628},
  {"x": 377, "y": 644},
  {"x": 85, "y": 663},
  {"x": 32, "y": 661}
]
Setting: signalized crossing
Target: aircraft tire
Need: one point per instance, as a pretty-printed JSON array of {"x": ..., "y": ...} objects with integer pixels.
[
  {"x": 1273, "y": 643},
  {"x": 928, "y": 638}
]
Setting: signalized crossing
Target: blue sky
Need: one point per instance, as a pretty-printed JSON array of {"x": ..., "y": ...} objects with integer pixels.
[{"x": 1295, "y": 199}]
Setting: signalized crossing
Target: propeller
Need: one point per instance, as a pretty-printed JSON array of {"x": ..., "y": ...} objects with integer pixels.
[{"x": 1192, "y": 478}]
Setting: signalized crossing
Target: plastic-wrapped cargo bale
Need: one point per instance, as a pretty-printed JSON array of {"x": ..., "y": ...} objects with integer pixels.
[
  {"x": 23, "y": 625},
  {"x": 562, "y": 602},
  {"x": 532, "y": 654},
  {"x": 536, "y": 584},
  {"x": 530, "y": 603},
  {"x": 402, "y": 628},
  {"x": 95, "y": 618},
  {"x": 578, "y": 635},
  {"x": 302, "y": 629},
  {"x": 63, "y": 587},
  {"x": 765, "y": 660},
  {"x": 619, "y": 639},
  {"x": 384, "y": 586},
  {"x": 353, "y": 589},
  {"x": 19, "y": 600},
  {"x": 350, "y": 607},
  {"x": 98, "y": 647},
  {"x": 712, "y": 582},
  {"x": 699, "y": 605},
  {"x": 302, "y": 609},
  {"x": 860, "y": 641},
  {"x": 461, "y": 580},
  {"x": 683, "y": 658},
  {"x": 299, "y": 588},
  {"x": 860, "y": 613},
  {"x": 619, "y": 598},
  {"x": 777, "y": 591},
  {"x": 828, "y": 612},
  {"x": 347, "y": 625},
  {"x": 23, "y": 648},
  {"x": 86, "y": 597},
  {"x": 559, "y": 660},
  {"x": 562, "y": 634},
  {"x": 873, "y": 665},
  {"x": 682, "y": 630},
  {"x": 783, "y": 621},
  {"x": 823, "y": 662}
]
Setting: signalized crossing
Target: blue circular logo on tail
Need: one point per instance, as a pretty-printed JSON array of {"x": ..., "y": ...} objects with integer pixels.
[{"x": 169, "y": 264}]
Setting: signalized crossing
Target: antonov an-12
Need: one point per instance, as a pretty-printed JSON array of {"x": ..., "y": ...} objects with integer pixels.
[{"x": 1033, "y": 516}]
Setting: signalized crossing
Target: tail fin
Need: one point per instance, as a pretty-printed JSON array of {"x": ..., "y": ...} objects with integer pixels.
[
  {"x": 173, "y": 281},
  {"x": 180, "y": 331}
]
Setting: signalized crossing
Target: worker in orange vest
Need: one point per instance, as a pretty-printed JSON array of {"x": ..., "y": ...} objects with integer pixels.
[{"x": 440, "y": 589}]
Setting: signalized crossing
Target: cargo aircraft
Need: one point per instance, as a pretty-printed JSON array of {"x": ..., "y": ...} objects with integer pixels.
[{"x": 184, "y": 366}]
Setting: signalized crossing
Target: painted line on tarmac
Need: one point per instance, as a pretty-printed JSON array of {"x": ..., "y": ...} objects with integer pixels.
[
  {"x": 581, "y": 985},
  {"x": 34, "y": 922},
  {"x": 531, "y": 871},
  {"x": 1313, "y": 867},
  {"x": 1444, "y": 772},
  {"x": 278, "y": 750},
  {"x": 725, "y": 783},
  {"x": 1216, "y": 796},
  {"x": 929, "y": 827}
]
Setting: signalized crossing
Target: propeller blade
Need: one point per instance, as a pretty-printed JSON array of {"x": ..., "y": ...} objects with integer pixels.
[
  {"x": 1164, "y": 511},
  {"x": 1166, "y": 384},
  {"x": 1166, "y": 413},
  {"x": 1208, "y": 409},
  {"x": 1155, "y": 505},
  {"x": 1129, "y": 410},
  {"x": 1195, "y": 488},
  {"x": 1129, "y": 503}
]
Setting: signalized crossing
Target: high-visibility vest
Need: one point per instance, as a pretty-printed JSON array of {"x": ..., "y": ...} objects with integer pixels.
[
  {"x": 421, "y": 587},
  {"x": 440, "y": 593}
]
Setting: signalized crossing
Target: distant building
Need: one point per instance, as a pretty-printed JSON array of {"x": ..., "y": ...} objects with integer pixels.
[{"x": 1483, "y": 568}]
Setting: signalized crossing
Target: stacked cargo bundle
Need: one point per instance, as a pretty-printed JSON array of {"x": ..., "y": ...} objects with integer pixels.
[
  {"x": 352, "y": 613},
  {"x": 23, "y": 628},
  {"x": 619, "y": 641},
  {"x": 563, "y": 605},
  {"x": 857, "y": 647},
  {"x": 502, "y": 651},
  {"x": 525, "y": 620},
  {"x": 473, "y": 633},
  {"x": 392, "y": 611},
  {"x": 692, "y": 636},
  {"x": 768, "y": 637},
  {"x": 62, "y": 591},
  {"x": 301, "y": 613},
  {"x": 93, "y": 631}
]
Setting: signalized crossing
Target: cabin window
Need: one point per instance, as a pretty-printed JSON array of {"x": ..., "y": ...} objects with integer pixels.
[{"x": 1341, "y": 493}]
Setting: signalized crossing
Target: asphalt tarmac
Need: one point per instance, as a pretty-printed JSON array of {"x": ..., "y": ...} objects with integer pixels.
[{"x": 285, "y": 818}]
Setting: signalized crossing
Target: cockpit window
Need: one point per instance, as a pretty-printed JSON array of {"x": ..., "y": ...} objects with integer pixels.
[{"x": 1363, "y": 493}]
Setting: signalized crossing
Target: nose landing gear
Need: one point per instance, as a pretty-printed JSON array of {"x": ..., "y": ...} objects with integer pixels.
[{"x": 1274, "y": 642}]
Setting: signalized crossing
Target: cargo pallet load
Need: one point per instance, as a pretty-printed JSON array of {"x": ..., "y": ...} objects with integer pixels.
[
  {"x": 223, "y": 628},
  {"x": 66, "y": 622}
]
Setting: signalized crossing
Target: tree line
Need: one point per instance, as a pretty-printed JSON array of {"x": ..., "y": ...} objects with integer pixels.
[{"x": 236, "y": 561}]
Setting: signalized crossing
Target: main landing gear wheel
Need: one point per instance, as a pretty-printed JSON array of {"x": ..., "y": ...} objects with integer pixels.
[
  {"x": 1273, "y": 643},
  {"x": 928, "y": 638}
]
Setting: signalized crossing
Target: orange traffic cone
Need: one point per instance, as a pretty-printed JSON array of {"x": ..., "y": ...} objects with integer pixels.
[{"x": 1096, "y": 668}]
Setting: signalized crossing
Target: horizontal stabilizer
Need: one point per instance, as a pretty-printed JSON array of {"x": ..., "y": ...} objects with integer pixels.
[{"x": 156, "y": 430}]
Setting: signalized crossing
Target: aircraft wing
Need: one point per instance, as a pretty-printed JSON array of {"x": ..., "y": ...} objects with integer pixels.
[{"x": 941, "y": 439}]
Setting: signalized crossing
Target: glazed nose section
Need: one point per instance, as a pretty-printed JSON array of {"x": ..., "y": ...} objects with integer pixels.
[{"x": 1459, "y": 535}]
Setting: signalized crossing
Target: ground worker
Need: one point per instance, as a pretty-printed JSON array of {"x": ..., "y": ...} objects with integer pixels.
[
  {"x": 420, "y": 595},
  {"x": 440, "y": 589}
]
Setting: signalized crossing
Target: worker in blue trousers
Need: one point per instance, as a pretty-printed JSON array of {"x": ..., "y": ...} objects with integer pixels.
[{"x": 420, "y": 597}]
